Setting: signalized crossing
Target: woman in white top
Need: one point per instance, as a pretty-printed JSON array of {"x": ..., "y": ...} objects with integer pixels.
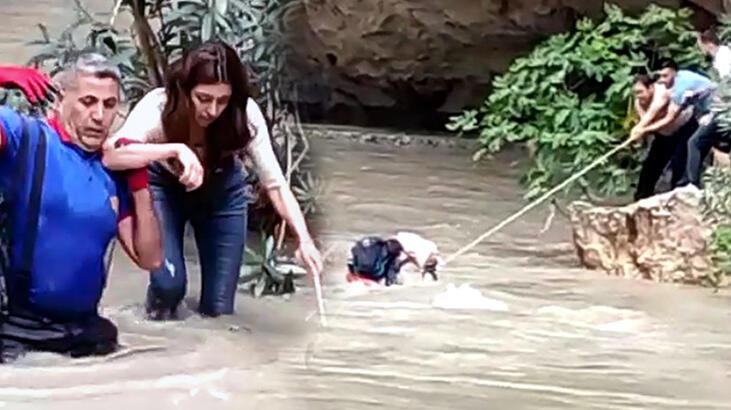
[{"x": 192, "y": 132}]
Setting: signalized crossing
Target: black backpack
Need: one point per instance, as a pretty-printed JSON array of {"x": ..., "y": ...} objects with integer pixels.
[{"x": 376, "y": 259}]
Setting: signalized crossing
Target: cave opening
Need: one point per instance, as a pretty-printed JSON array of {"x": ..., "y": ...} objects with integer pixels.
[{"x": 414, "y": 106}]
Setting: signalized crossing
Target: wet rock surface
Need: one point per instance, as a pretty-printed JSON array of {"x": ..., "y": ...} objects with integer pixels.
[{"x": 662, "y": 238}]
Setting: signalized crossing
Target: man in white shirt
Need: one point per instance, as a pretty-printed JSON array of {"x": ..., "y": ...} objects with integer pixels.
[
  {"x": 708, "y": 134},
  {"x": 709, "y": 42}
]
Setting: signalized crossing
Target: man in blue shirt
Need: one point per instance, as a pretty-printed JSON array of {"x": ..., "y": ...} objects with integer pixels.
[{"x": 64, "y": 209}]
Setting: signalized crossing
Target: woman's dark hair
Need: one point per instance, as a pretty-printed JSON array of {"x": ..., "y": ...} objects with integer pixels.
[{"x": 210, "y": 63}]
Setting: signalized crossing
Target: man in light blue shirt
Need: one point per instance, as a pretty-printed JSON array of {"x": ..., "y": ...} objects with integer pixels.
[{"x": 689, "y": 88}]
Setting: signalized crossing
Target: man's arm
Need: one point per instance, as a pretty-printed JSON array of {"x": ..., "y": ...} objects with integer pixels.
[
  {"x": 127, "y": 155},
  {"x": 139, "y": 228},
  {"x": 639, "y": 109},
  {"x": 672, "y": 114},
  {"x": 692, "y": 97},
  {"x": 143, "y": 125},
  {"x": 660, "y": 100},
  {"x": 131, "y": 155},
  {"x": 144, "y": 122}
]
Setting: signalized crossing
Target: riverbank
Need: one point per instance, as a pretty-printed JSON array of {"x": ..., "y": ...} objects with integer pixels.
[{"x": 385, "y": 136}]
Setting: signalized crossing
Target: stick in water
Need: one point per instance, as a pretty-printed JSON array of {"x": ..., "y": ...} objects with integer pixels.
[
  {"x": 538, "y": 201},
  {"x": 320, "y": 300}
]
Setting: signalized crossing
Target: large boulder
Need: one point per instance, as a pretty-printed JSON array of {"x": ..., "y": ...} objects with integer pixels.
[{"x": 662, "y": 238}]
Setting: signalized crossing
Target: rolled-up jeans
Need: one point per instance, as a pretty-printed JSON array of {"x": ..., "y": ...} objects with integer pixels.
[{"x": 217, "y": 212}]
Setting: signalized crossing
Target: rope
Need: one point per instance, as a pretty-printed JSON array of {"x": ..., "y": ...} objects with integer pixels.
[{"x": 538, "y": 201}]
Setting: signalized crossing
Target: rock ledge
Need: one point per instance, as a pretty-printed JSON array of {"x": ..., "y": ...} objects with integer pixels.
[{"x": 662, "y": 238}]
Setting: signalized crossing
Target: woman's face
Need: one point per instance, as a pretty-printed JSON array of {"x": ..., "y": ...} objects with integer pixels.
[{"x": 209, "y": 101}]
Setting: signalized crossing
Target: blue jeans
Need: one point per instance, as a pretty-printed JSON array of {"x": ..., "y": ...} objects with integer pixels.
[
  {"x": 217, "y": 212},
  {"x": 699, "y": 145}
]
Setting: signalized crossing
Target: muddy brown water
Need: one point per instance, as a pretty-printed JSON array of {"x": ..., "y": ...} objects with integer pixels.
[
  {"x": 513, "y": 324},
  {"x": 523, "y": 328}
]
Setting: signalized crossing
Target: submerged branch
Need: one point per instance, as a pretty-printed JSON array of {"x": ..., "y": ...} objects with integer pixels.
[{"x": 148, "y": 44}]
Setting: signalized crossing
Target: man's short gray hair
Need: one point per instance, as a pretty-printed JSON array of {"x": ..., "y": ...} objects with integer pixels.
[{"x": 88, "y": 63}]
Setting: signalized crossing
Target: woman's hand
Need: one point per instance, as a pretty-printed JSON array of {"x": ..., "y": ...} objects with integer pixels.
[
  {"x": 191, "y": 173},
  {"x": 310, "y": 257}
]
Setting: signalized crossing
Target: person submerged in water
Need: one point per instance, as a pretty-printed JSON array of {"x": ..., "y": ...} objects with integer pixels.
[
  {"x": 64, "y": 208},
  {"x": 381, "y": 260}
]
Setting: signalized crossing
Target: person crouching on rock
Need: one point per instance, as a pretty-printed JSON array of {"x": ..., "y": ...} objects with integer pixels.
[{"x": 380, "y": 260}]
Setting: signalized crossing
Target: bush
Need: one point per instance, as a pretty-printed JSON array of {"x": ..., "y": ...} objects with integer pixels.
[
  {"x": 722, "y": 101},
  {"x": 720, "y": 249},
  {"x": 717, "y": 184},
  {"x": 570, "y": 98},
  {"x": 716, "y": 211}
]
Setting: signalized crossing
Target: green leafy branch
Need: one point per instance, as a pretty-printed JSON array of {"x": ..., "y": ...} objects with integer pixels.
[{"x": 568, "y": 99}]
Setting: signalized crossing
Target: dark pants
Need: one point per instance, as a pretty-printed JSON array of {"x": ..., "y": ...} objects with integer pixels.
[
  {"x": 665, "y": 149},
  {"x": 21, "y": 332},
  {"x": 217, "y": 213},
  {"x": 699, "y": 145}
]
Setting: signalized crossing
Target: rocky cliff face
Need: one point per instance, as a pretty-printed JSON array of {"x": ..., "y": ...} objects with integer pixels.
[
  {"x": 437, "y": 54},
  {"x": 662, "y": 238}
]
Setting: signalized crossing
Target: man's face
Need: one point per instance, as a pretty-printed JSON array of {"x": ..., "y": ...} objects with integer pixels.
[
  {"x": 666, "y": 77},
  {"x": 88, "y": 110},
  {"x": 707, "y": 48},
  {"x": 642, "y": 93}
]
